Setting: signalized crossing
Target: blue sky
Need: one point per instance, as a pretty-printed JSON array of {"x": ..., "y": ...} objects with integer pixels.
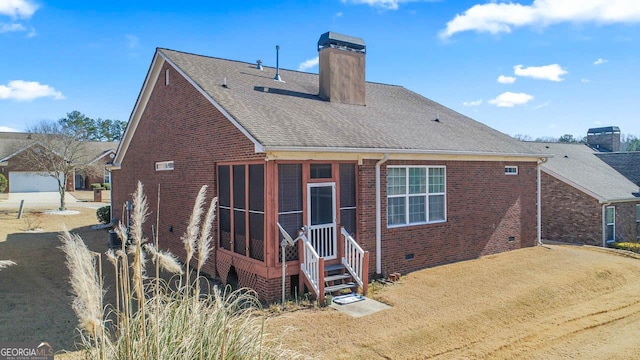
[{"x": 540, "y": 68}]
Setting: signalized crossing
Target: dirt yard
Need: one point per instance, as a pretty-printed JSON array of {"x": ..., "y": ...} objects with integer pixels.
[
  {"x": 553, "y": 302},
  {"x": 35, "y": 301}
]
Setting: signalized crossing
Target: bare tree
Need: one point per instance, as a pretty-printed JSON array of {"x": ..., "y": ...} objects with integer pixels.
[{"x": 58, "y": 151}]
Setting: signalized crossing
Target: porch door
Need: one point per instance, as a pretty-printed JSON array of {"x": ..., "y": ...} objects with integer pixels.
[{"x": 321, "y": 203}]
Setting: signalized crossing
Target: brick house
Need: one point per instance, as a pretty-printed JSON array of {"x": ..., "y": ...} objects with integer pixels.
[
  {"x": 585, "y": 200},
  {"x": 23, "y": 178},
  {"x": 384, "y": 179}
]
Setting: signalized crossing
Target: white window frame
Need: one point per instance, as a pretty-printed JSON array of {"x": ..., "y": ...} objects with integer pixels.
[
  {"x": 106, "y": 178},
  {"x": 607, "y": 224},
  {"x": 426, "y": 195},
  {"x": 508, "y": 170}
]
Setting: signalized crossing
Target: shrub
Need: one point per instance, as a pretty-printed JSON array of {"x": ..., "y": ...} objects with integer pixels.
[
  {"x": 3, "y": 183},
  {"x": 104, "y": 214},
  {"x": 629, "y": 246},
  {"x": 96, "y": 186},
  {"x": 106, "y": 186},
  {"x": 153, "y": 320}
]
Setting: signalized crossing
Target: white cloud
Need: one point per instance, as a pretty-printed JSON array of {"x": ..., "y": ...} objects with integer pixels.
[
  {"x": 27, "y": 90},
  {"x": 509, "y": 99},
  {"x": 5, "y": 28},
  {"x": 501, "y": 17},
  {"x": 585, "y": 80},
  {"x": 132, "y": 41},
  {"x": 506, "y": 79},
  {"x": 382, "y": 4},
  {"x": 8, "y": 129},
  {"x": 548, "y": 72},
  {"x": 472, "y": 103},
  {"x": 308, "y": 64},
  {"x": 339, "y": 14},
  {"x": 543, "y": 105},
  {"x": 23, "y": 9},
  {"x": 600, "y": 61}
]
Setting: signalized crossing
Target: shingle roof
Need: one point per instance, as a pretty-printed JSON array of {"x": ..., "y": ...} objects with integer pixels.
[
  {"x": 12, "y": 142},
  {"x": 579, "y": 165},
  {"x": 626, "y": 163},
  {"x": 289, "y": 114}
]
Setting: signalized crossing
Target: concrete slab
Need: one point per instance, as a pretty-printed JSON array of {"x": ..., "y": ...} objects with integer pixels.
[{"x": 360, "y": 308}]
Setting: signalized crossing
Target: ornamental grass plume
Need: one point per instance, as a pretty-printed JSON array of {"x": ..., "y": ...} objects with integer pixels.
[
  {"x": 190, "y": 236},
  {"x": 85, "y": 285},
  {"x": 166, "y": 260},
  {"x": 166, "y": 323},
  {"x": 6, "y": 263}
]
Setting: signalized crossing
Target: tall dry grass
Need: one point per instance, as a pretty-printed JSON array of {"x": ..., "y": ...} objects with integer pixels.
[{"x": 152, "y": 320}]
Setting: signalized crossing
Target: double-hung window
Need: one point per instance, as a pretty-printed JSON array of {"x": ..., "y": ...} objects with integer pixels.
[
  {"x": 610, "y": 220},
  {"x": 415, "y": 195}
]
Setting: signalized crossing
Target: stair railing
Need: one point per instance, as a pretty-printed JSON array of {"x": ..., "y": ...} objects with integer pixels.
[
  {"x": 356, "y": 261},
  {"x": 313, "y": 267}
]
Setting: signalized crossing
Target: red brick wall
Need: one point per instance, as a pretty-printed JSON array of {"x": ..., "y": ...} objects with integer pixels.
[
  {"x": 178, "y": 124},
  {"x": 626, "y": 221},
  {"x": 484, "y": 208},
  {"x": 568, "y": 214}
]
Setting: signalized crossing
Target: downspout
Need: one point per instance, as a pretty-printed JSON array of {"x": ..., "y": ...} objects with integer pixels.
[
  {"x": 378, "y": 215},
  {"x": 540, "y": 162}
]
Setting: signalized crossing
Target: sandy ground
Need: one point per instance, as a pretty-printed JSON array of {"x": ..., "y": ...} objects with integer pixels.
[
  {"x": 35, "y": 301},
  {"x": 553, "y": 302}
]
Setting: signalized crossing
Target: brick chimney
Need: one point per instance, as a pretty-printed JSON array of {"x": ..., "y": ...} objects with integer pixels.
[
  {"x": 604, "y": 139},
  {"x": 342, "y": 63}
]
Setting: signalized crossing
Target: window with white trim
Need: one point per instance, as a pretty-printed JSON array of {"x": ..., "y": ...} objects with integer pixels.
[
  {"x": 511, "y": 170},
  {"x": 107, "y": 177},
  {"x": 416, "y": 195},
  {"x": 610, "y": 222}
]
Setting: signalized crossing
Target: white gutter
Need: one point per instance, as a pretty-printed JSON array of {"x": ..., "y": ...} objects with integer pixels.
[
  {"x": 378, "y": 215},
  {"x": 540, "y": 162}
]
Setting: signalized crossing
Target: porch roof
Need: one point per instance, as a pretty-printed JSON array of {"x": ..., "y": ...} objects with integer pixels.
[{"x": 290, "y": 114}]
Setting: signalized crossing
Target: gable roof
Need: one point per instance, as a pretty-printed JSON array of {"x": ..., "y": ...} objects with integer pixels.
[
  {"x": 626, "y": 163},
  {"x": 578, "y": 165},
  {"x": 289, "y": 115},
  {"x": 13, "y": 143}
]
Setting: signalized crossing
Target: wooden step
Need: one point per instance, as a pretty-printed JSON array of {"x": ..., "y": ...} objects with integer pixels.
[
  {"x": 339, "y": 287},
  {"x": 336, "y": 277},
  {"x": 334, "y": 267}
]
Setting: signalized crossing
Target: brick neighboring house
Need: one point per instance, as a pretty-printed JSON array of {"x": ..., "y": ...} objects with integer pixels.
[
  {"x": 585, "y": 200},
  {"x": 23, "y": 178},
  {"x": 362, "y": 164}
]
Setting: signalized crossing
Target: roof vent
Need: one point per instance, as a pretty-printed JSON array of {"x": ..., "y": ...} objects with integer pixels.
[
  {"x": 277, "y": 77},
  {"x": 259, "y": 66}
]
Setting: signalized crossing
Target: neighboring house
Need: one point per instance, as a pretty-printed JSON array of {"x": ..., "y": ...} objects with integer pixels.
[
  {"x": 362, "y": 164},
  {"x": 626, "y": 163},
  {"x": 584, "y": 200},
  {"x": 23, "y": 178}
]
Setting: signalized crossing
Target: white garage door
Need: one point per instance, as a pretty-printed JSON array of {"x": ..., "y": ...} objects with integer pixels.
[{"x": 23, "y": 181}]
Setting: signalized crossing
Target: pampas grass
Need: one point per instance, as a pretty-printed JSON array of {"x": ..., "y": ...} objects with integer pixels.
[
  {"x": 6, "y": 263},
  {"x": 165, "y": 322}
]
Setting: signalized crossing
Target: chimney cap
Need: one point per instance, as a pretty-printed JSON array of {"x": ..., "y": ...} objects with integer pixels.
[
  {"x": 335, "y": 40},
  {"x": 604, "y": 130}
]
